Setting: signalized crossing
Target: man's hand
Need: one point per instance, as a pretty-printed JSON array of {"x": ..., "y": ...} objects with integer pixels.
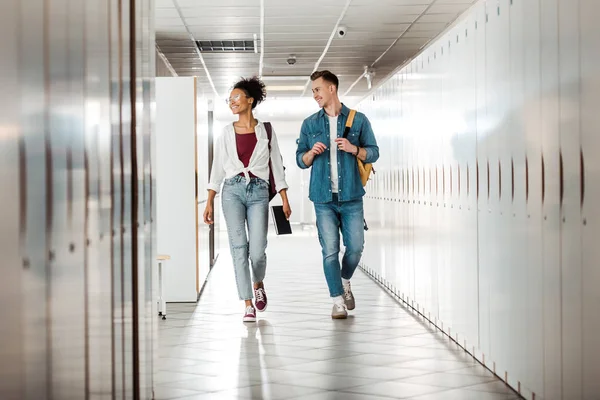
[
  {"x": 318, "y": 148},
  {"x": 344, "y": 145}
]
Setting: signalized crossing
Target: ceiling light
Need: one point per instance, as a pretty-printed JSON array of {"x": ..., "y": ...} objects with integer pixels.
[
  {"x": 284, "y": 88},
  {"x": 285, "y": 78}
]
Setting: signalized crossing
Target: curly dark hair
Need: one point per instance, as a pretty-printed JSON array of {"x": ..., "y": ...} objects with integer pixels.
[{"x": 254, "y": 88}]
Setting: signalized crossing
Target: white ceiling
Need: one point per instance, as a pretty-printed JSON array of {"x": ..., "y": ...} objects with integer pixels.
[{"x": 380, "y": 33}]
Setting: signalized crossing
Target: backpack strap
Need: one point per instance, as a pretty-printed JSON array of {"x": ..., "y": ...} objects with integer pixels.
[
  {"x": 269, "y": 130},
  {"x": 272, "y": 191},
  {"x": 349, "y": 122}
]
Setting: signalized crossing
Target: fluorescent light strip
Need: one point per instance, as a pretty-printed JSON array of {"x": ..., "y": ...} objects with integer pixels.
[
  {"x": 333, "y": 32},
  {"x": 282, "y": 88},
  {"x": 196, "y": 47}
]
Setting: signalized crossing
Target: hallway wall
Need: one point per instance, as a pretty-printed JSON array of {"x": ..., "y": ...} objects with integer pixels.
[
  {"x": 76, "y": 233},
  {"x": 484, "y": 210}
]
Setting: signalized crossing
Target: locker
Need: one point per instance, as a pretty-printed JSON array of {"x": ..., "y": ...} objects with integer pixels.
[
  {"x": 65, "y": 254},
  {"x": 551, "y": 198},
  {"x": 515, "y": 197},
  {"x": 60, "y": 107},
  {"x": 12, "y": 367},
  {"x": 98, "y": 131},
  {"x": 481, "y": 178},
  {"x": 511, "y": 171},
  {"x": 589, "y": 189},
  {"x": 569, "y": 198},
  {"x": 35, "y": 250},
  {"x": 534, "y": 356}
]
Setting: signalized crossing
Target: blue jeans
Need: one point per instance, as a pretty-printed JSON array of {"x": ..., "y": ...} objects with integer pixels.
[
  {"x": 347, "y": 216},
  {"x": 247, "y": 204}
]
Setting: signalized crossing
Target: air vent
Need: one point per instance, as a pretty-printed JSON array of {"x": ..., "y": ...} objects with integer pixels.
[{"x": 226, "y": 46}]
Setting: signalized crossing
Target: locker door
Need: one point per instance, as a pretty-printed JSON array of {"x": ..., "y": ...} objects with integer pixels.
[
  {"x": 551, "y": 197},
  {"x": 11, "y": 368},
  {"x": 590, "y": 192},
  {"x": 570, "y": 198},
  {"x": 469, "y": 202},
  {"x": 480, "y": 169},
  {"x": 534, "y": 339},
  {"x": 35, "y": 251},
  {"x": 67, "y": 200},
  {"x": 515, "y": 197}
]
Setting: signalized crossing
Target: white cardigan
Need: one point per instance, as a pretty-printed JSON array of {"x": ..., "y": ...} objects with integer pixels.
[{"x": 226, "y": 163}]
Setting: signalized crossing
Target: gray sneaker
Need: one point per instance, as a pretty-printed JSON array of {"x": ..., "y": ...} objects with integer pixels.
[
  {"x": 339, "y": 311},
  {"x": 349, "y": 298}
]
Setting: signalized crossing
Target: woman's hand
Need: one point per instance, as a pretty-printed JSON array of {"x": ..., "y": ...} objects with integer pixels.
[
  {"x": 208, "y": 213},
  {"x": 287, "y": 210}
]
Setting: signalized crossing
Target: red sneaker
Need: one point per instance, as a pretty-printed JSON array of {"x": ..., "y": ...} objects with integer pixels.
[{"x": 261, "y": 299}]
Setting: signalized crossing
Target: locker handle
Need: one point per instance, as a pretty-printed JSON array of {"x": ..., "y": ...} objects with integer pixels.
[
  {"x": 468, "y": 181},
  {"x": 477, "y": 177},
  {"x": 436, "y": 181},
  {"x": 562, "y": 178},
  {"x": 458, "y": 170},
  {"x": 413, "y": 180},
  {"x": 451, "y": 180},
  {"x": 581, "y": 176},
  {"x": 23, "y": 188},
  {"x": 488, "y": 179},
  {"x": 443, "y": 180},
  {"x": 526, "y": 180},
  {"x": 424, "y": 182},
  {"x": 512, "y": 178},
  {"x": 499, "y": 180},
  {"x": 430, "y": 182},
  {"x": 543, "y": 180}
]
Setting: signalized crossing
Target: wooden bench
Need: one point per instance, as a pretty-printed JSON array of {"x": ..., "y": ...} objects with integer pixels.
[{"x": 162, "y": 304}]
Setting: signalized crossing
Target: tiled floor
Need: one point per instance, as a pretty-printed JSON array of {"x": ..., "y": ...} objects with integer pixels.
[{"x": 296, "y": 351}]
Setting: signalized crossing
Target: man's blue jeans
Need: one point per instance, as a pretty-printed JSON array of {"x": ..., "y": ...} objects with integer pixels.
[{"x": 333, "y": 217}]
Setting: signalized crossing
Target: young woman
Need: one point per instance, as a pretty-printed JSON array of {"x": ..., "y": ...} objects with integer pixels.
[{"x": 241, "y": 159}]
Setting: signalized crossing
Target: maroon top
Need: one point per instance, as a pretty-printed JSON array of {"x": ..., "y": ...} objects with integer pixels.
[{"x": 245, "y": 144}]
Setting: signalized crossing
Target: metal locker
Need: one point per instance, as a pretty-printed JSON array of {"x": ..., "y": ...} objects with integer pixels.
[
  {"x": 435, "y": 112},
  {"x": 98, "y": 235},
  {"x": 533, "y": 274},
  {"x": 481, "y": 177},
  {"x": 589, "y": 189},
  {"x": 65, "y": 254},
  {"x": 34, "y": 191},
  {"x": 419, "y": 290},
  {"x": 11, "y": 170},
  {"x": 516, "y": 210},
  {"x": 570, "y": 198},
  {"x": 469, "y": 202},
  {"x": 551, "y": 197}
]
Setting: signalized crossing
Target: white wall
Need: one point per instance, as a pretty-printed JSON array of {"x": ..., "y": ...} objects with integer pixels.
[
  {"x": 175, "y": 190},
  {"x": 476, "y": 211}
]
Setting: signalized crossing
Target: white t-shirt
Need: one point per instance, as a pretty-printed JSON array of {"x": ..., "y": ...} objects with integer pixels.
[{"x": 333, "y": 153}]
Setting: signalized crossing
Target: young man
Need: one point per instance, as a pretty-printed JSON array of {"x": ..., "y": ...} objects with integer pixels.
[{"x": 335, "y": 186}]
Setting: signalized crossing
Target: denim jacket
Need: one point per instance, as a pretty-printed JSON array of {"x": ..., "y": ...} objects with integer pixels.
[{"x": 316, "y": 129}]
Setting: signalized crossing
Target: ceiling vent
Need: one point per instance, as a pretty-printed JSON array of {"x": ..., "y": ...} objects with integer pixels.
[{"x": 226, "y": 46}]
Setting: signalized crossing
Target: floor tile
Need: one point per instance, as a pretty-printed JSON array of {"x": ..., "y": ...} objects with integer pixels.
[
  {"x": 462, "y": 394},
  {"x": 296, "y": 351}
]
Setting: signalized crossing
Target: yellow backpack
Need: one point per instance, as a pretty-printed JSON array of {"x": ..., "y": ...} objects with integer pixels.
[{"x": 363, "y": 169}]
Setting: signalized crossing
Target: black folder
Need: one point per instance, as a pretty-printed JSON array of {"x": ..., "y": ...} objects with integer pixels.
[{"x": 282, "y": 225}]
